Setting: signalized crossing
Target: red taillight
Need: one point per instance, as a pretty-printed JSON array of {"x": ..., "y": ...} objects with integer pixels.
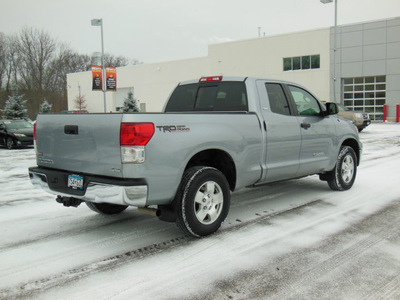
[
  {"x": 136, "y": 134},
  {"x": 34, "y": 131},
  {"x": 212, "y": 78}
]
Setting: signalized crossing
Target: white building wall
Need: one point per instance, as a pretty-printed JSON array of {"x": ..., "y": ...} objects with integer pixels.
[
  {"x": 260, "y": 57},
  {"x": 263, "y": 57},
  {"x": 151, "y": 84}
]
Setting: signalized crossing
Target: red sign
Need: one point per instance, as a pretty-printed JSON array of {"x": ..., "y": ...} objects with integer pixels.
[
  {"x": 97, "y": 78},
  {"x": 111, "y": 78}
]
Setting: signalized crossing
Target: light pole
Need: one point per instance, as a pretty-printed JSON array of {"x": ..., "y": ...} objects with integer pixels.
[
  {"x": 99, "y": 22},
  {"x": 334, "y": 47}
]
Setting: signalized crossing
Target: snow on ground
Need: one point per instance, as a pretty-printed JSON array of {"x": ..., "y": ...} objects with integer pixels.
[{"x": 294, "y": 239}]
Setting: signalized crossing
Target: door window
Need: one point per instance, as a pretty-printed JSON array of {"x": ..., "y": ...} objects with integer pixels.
[
  {"x": 277, "y": 99},
  {"x": 306, "y": 104}
]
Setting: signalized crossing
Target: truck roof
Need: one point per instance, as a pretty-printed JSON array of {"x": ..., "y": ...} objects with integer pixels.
[{"x": 232, "y": 78}]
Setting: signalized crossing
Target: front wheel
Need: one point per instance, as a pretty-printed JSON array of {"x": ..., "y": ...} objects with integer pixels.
[
  {"x": 342, "y": 177},
  {"x": 106, "y": 208},
  {"x": 10, "y": 143},
  {"x": 202, "y": 202}
]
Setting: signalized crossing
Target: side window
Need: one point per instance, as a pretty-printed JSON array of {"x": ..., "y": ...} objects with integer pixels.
[
  {"x": 306, "y": 104},
  {"x": 221, "y": 96},
  {"x": 224, "y": 96},
  {"x": 183, "y": 98},
  {"x": 277, "y": 99}
]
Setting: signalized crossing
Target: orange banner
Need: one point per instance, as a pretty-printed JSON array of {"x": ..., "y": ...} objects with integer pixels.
[
  {"x": 111, "y": 78},
  {"x": 97, "y": 78}
]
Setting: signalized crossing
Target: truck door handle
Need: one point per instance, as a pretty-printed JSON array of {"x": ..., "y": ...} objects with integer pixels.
[
  {"x": 305, "y": 125},
  {"x": 71, "y": 129}
]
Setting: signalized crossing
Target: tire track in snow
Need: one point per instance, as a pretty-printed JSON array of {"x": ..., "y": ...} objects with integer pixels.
[
  {"x": 342, "y": 258},
  {"x": 29, "y": 289},
  {"x": 63, "y": 234},
  {"x": 390, "y": 290}
]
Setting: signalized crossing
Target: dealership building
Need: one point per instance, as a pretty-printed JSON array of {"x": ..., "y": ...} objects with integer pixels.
[{"x": 363, "y": 72}]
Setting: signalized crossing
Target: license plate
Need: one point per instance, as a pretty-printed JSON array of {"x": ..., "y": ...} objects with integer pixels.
[{"x": 75, "y": 182}]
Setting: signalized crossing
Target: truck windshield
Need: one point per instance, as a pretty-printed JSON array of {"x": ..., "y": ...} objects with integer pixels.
[{"x": 215, "y": 96}]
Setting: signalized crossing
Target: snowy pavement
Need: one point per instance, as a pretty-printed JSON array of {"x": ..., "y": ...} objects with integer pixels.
[{"x": 291, "y": 240}]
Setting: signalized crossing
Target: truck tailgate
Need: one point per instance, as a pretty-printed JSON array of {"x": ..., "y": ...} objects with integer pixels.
[{"x": 88, "y": 143}]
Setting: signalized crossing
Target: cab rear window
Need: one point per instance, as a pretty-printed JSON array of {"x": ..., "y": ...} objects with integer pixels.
[{"x": 221, "y": 96}]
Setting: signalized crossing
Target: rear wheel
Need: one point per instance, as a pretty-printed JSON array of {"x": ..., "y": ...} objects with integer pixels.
[
  {"x": 106, "y": 208},
  {"x": 202, "y": 202},
  {"x": 342, "y": 177}
]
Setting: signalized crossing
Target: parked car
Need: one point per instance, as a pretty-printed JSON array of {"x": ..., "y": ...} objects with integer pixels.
[
  {"x": 16, "y": 133},
  {"x": 360, "y": 119}
]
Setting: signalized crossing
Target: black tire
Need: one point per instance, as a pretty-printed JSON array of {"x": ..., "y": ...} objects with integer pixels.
[
  {"x": 10, "y": 143},
  {"x": 202, "y": 202},
  {"x": 342, "y": 177},
  {"x": 106, "y": 208}
]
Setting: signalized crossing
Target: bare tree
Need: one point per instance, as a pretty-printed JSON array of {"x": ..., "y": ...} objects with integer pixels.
[
  {"x": 80, "y": 100},
  {"x": 3, "y": 55},
  {"x": 36, "y": 50},
  {"x": 38, "y": 65}
]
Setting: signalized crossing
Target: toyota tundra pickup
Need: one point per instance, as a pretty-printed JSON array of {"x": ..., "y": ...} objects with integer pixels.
[{"x": 215, "y": 135}]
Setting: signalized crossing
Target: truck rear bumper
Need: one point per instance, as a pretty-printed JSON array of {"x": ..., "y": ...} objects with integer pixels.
[{"x": 96, "y": 189}]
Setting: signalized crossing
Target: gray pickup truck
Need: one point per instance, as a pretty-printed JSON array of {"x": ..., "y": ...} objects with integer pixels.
[{"x": 215, "y": 135}]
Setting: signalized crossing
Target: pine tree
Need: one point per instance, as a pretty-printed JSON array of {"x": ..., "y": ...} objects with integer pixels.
[
  {"x": 15, "y": 107},
  {"x": 130, "y": 104},
  {"x": 45, "y": 107}
]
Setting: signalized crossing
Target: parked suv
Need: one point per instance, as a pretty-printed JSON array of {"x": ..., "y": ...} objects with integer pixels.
[
  {"x": 360, "y": 119},
  {"x": 15, "y": 133}
]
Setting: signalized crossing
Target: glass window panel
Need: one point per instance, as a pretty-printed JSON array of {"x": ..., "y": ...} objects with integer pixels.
[
  {"x": 380, "y": 94},
  {"x": 378, "y": 117},
  {"x": 369, "y": 109},
  {"x": 358, "y": 95},
  {"x": 348, "y": 103},
  {"x": 370, "y": 87},
  {"x": 296, "y": 63},
  {"x": 369, "y": 79},
  {"x": 359, "y": 80},
  {"x": 380, "y": 87},
  {"x": 379, "y": 109},
  {"x": 315, "y": 62},
  {"x": 359, "y": 87},
  {"x": 287, "y": 64},
  {"x": 358, "y": 102},
  {"x": 305, "y": 62},
  {"x": 380, "y": 78},
  {"x": 348, "y": 95},
  {"x": 369, "y": 95},
  {"x": 380, "y": 101},
  {"x": 348, "y": 88},
  {"x": 370, "y": 102},
  {"x": 348, "y": 81}
]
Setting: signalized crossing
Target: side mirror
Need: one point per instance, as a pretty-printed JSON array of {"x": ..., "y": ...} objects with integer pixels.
[{"x": 331, "y": 108}]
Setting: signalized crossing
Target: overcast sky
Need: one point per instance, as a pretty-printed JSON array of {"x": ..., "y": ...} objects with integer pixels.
[{"x": 155, "y": 31}]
